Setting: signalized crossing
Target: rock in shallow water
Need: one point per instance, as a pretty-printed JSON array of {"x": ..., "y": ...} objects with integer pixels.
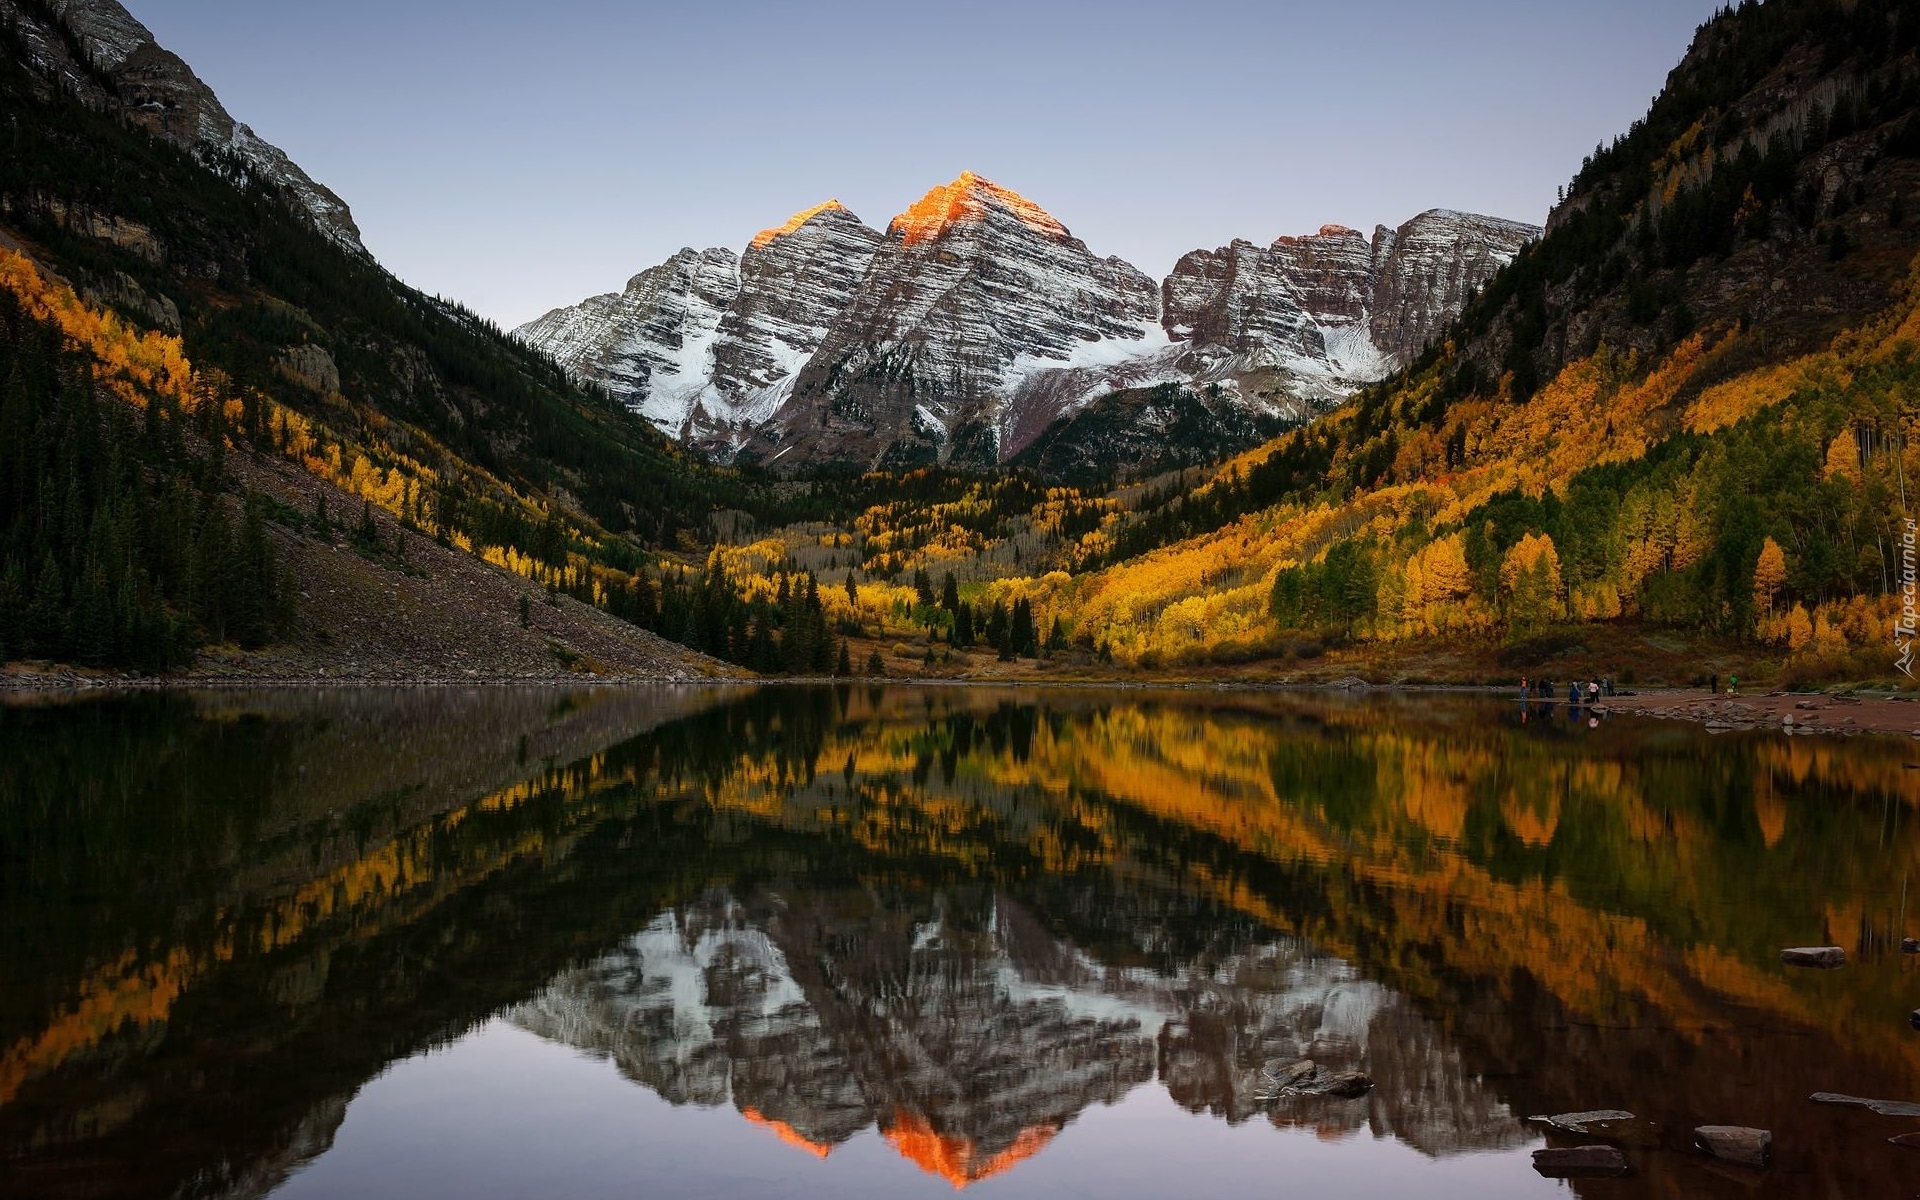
[
  {"x": 1583, "y": 1122},
  {"x": 1736, "y": 1144},
  {"x": 1826, "y": 957},
  {"x": 1307, "y": 1078},
  {"x": 1886, "y": 1108},
  {"x": 1581, "y": 1162}
]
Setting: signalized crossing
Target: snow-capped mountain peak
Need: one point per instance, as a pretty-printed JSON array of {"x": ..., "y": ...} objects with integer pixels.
[{"x": 978, "y": 320}]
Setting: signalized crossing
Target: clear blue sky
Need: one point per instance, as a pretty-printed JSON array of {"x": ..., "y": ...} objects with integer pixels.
[{"x": 520, "y": 156}]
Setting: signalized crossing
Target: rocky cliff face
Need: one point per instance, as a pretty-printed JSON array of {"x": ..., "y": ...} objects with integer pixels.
[
  {"x": 707, "y": 345},
  {"x": 97, "y": 49},
  {"x": 979, "y": 322},
  {"x": 976, "y": 294},
  {"x": 652, "y": 344},
  {"x": 1433, "y": 262},
  {"x": 1312, "y": 319}
]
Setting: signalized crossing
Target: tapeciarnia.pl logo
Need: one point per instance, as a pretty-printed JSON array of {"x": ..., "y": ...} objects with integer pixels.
[{"x": 1909, "y": 623}]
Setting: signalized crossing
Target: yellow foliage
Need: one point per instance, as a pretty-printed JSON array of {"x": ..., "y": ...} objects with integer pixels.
[
  {"x": 1843, "y": 459},
  {"x": 1769, "y": 575},
  {"x": 1799, "y": 628}
]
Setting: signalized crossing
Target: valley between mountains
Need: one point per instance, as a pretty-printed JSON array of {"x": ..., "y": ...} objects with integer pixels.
[{"x": 1665, "y": 436}]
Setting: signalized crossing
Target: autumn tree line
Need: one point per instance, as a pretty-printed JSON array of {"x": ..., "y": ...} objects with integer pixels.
[
  {"x": 119, "y": 546},
  {"x": 1782, "y": 527}
]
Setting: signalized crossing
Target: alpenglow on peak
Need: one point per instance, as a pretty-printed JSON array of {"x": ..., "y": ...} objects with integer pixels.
[
  {"x": 798, "y": 220},
  {"x": 978, "y": 321},
  {"x": 966, "y": 201}
]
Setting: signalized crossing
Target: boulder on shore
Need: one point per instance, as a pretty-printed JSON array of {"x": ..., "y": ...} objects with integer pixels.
[
  {"x": 1826, "y": 957},
  {"x": 1736, "y": 1144}
]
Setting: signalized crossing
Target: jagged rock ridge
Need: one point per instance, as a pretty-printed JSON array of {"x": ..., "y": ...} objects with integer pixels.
[
  {"x": 129, "y": 71},
  {"x": 707, "y": 345},
  {"x": 979, "y": 321},
  {"x": 976, "y": 295},
  {"x": 1333, "y": 311}
]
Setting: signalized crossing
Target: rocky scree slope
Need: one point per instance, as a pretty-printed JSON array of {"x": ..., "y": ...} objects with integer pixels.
[{"x": 978, "y": 322}]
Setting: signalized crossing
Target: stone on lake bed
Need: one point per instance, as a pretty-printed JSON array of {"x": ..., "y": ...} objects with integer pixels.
[
  {"x": 1910, "y": 1141},
  {"x": 1886, "y": 1108},
  {"x": 1582, "y": 1122},
  {"x": 1307, "y": 1078},
  {"x": 1910, "y": 945},
  {"x": 1576, "y": 1162},
  {"x": 1286, "y": 1076},
  {"x": 1826, "y": 957},
  {"x": 1347, "y": 1085},
  {"x": 1735, "y": 1144}
]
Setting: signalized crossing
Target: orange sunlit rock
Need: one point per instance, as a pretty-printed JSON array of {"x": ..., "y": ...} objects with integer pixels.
[
  {"x": 796, "y": 221},
  {"x": 965, "y": 200},
  {"x": 955, "y": 1158},
  {"x": 787, "y": 1133}
]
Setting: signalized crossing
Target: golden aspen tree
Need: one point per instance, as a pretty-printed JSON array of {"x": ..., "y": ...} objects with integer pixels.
[{"x": 1769, "y": 576}]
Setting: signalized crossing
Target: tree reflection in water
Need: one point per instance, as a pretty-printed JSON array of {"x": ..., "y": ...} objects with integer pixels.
[{"x": 958, "y": 917}]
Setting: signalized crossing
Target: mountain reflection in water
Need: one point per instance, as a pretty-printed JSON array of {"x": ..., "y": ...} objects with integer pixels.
[{"x": 958, "y": 921}]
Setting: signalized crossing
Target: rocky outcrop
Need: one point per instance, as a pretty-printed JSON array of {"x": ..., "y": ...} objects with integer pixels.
[
  {"x": 707, "y": 344},
  {"x": 108, "y": 57}
]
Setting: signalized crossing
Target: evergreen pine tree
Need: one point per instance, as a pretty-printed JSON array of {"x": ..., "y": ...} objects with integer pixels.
[{"x": 1020, "y": 639}]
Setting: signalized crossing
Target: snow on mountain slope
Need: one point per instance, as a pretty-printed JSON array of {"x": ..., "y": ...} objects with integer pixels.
[
  {"x": 651, "y": 345},
  {"x": 975, "y": 291},
  {"x": 978, "y": 320},
  {"x": 1331, "y": 312},
  {"x": 707, "y": 344}
]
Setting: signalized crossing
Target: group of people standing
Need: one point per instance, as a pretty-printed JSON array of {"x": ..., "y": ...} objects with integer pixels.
[{"x": 1542, "y": 689}]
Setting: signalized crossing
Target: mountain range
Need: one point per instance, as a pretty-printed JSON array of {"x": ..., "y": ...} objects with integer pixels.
[
  {"x": 977, "y": 321},
  {"x": 1685, "y": 404}
]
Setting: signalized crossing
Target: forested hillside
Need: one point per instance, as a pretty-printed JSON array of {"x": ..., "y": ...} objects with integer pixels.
[
  {"x": 191, "y": 288},
  {"x": 1686, "y": 413},
  {"x": 1690, "y": 405},
  {"x": 119, "y": 546}
]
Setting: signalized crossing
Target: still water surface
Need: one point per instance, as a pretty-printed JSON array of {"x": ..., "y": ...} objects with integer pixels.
[{"x": 889, "y": 942}]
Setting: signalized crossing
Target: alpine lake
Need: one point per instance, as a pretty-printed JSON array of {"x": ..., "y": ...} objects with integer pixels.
[{"x": 890, "y": 941}]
